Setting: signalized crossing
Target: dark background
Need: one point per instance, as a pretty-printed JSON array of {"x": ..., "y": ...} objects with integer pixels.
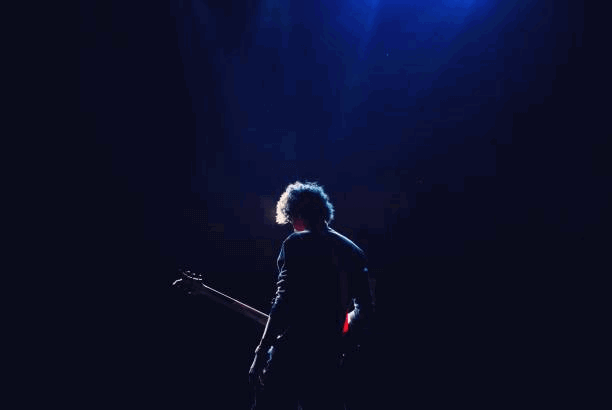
[{"x": 461, "y": 143}]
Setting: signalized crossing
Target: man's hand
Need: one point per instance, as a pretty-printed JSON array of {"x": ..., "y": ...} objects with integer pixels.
[{"x": 255, "y": 371}]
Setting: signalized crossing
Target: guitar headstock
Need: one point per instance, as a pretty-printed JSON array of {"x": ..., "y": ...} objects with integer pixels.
[{"x": 190, "y": 282}]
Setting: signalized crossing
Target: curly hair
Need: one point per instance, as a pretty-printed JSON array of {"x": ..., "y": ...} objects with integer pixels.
[{"x": 305, "y": 201}]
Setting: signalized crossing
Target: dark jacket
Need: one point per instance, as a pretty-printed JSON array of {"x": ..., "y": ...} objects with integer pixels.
[{"x": 322, "y": 275}]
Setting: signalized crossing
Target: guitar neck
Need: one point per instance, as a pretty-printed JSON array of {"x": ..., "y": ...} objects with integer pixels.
[{"x": 234, "y": 304}]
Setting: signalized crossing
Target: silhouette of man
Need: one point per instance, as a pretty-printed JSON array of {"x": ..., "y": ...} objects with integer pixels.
[{"x": 322, "y": 275}]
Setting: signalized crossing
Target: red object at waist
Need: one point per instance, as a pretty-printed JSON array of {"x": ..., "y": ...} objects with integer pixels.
[{"x": 345, "y": 328}]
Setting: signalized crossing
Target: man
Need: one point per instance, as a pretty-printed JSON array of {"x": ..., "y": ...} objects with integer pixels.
[{"x": 322, "y": 275}]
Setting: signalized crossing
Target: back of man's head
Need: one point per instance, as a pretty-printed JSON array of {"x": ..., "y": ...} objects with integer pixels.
[{"x": 306, "y": 201}]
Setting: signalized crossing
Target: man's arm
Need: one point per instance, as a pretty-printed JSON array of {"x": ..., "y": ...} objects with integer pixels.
[{"x": 277, "y": 320}]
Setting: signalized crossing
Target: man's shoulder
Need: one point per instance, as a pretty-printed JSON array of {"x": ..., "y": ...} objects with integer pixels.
[
  {"x": 293, "y": 237},
  {"x": 347, "y": 242},
  {"x": 337, "y": 237}
]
